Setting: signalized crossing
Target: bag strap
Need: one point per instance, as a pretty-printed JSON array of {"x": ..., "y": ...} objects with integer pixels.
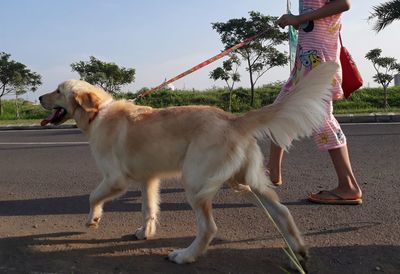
[{"x": 340, "y": 39}]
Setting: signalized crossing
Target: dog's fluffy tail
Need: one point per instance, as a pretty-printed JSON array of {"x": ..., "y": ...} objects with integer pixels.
[{"x": 300, "y": 112}]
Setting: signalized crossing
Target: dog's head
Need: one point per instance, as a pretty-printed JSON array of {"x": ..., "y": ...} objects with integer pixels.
[{"x": 73, "y": 99}]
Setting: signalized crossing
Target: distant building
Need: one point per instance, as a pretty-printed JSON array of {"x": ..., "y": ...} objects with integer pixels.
[
  {"x": 169, "y": 86},
  {"x": 397, "y": 80}
]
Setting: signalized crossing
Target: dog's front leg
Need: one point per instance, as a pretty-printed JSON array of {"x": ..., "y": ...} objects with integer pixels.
[
  {"x": 106, "y": 191},
  {"x": 150, "y": 209}
]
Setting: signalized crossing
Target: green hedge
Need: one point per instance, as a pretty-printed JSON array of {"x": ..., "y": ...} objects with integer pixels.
[
  {"x": 27, "y": 110},
  {"x": 215, "y": 97},
  {"x": 363, "y": 101},
  {"x": 369, "y": 100}
]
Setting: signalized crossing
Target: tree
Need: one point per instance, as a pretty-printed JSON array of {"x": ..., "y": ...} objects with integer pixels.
[
  {"x": 385, "y": 13},
  {"x": 228, "y": 72},
  {"x": 109, "y": 76},
  {"x": 16, "y": 78},
  {"x": 385, "y": 68},
  {"x": 260, "y": 55}
]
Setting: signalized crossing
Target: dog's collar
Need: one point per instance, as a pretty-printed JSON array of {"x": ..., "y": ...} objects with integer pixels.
[{"x": 103, "y": 106}]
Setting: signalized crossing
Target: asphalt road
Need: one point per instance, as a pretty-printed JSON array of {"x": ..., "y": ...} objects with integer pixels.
[{"x": 47, "y": 175}]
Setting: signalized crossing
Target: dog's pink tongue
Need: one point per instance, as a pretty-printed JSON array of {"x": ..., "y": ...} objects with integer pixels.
[
  {"x": 44, "y": 122},
  {"x": 48, "y": 119}
]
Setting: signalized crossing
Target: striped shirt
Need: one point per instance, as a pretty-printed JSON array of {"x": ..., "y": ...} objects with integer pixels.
[{"x": 317, "y": 43}]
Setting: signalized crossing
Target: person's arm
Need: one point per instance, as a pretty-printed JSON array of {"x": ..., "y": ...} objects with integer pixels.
[{"x": 332, "y": 8}]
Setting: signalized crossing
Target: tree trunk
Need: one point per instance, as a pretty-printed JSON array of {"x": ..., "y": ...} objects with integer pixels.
[
  {"x": 16, "y": 105},
  {"x": 385, "y": 94},
  {"x": 230, "y": 95},
  {"x": 1, "y": 95},
  {"x": 252, "y": 95},
  {"x": 230, "y": 100},
  {"x": 251, "y": 82}
]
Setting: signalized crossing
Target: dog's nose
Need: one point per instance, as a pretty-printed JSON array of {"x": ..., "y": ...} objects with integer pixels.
[{"x": 40, "y": 98}]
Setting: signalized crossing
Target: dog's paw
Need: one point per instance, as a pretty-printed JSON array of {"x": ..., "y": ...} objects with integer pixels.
[
  {"x": 144, "y": 233},
  {"x": 140, "y": 233},
  {"x": 302, "y": 257},
  {"x": 148, "y": 230},
  {"x": 93, "y": 223},
  {"x": 182, "y": 256}
]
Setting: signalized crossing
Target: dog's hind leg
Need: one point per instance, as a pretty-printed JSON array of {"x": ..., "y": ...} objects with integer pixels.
[
  {"x": 106, "y": 191},
  {"x": 206, "y": 230},
  {"x": 205, "y": 169},
  {"x": 150, "y": 209},
  {"x": 285, "y": 222},
  {"x": 253, "y": 175},
  {"x": 199, "y": 192}
]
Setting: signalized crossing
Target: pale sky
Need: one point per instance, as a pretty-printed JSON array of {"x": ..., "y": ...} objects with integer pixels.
[{"x": 158, "y": 38}]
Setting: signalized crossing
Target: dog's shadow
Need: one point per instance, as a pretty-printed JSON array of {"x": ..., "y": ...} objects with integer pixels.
[
  {"x": 126, "y": 255},
  {"x": 129, "y": 202},
  {"x": 72, "y": 252}
]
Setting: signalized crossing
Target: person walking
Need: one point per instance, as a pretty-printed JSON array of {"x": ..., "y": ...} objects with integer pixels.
[{"x": 319, "y": 24}]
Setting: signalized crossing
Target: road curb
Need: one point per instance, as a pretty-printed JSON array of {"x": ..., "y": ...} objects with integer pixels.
[
  {"x": 35, "y": 127},
  {"x": 369, "y": 118}
]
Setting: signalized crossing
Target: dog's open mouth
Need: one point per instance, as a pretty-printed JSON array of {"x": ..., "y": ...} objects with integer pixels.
[{"x": 56, "y": 117}]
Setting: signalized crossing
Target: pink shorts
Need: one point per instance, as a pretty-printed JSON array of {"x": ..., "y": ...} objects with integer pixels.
[{"x": 330, "y": 135}]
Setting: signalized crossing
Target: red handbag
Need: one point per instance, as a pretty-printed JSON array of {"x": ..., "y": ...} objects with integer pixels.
[{"x": 351, "y": 78}]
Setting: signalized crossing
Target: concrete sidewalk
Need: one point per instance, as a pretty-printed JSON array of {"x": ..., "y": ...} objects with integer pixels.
[{"x": 342, "y": 118}]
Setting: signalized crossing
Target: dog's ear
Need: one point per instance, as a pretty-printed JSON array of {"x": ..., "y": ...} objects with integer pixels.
[{"x": 89, "y": 101}]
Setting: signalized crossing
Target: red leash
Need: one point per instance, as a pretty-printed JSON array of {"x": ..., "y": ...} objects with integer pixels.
[{"x": 199, "y": 66}]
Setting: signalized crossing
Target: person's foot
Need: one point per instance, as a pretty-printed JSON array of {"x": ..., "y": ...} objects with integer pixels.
[
  {"x": 336, "y": 197},
  {"x": 276, "y": 180}
]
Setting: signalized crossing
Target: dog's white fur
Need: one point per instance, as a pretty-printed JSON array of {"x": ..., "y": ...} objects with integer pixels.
[{"x": 206, "y": 146}]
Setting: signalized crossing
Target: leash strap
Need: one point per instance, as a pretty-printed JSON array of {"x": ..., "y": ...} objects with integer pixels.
[{"x": 199, "y": 66}]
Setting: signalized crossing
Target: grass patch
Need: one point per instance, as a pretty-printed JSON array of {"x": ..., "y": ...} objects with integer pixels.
[
  {"x": 366, "y": 100},
  {"x": 22, "y": 122}
]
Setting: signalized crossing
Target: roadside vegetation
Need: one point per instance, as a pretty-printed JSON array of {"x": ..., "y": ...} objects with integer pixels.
[
  {"x": 366, "y": 100},
  {"x": 258, "y": 57}
]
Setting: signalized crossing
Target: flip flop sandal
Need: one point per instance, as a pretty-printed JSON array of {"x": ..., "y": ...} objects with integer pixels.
[{"x": 335, "y": 199}]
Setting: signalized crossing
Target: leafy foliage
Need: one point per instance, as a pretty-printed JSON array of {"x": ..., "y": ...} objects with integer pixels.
[
  {"x": 228, "y": 73},
  {"x": 16, "y": 78},
  {"x": 385, "y": 13},
  {"x": 261, "y": 54},
  {"x": 27, "y": 110},
  {"x": 109, "y": 76},
  {"x": 364, "y": 100},
  {"x": 385, "y": 68},
  {"x": 369, "y": 100}
]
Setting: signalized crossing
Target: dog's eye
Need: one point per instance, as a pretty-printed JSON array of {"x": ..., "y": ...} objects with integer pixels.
[{"x": 58, "y": 91}]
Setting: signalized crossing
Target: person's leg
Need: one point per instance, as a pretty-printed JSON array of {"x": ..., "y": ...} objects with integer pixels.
[
  {"x": 274, "y": 166},
  {"x": 348, "y": 191},
  {"x": 347, "y": 183},
  {"x": 331, "y": 138}
]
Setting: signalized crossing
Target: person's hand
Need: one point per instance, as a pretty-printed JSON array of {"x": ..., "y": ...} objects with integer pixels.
[{"x": 288, "y": 19}]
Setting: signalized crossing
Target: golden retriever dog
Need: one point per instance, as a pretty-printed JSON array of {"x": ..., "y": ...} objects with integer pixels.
[{"x": 204, "y": 145}]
